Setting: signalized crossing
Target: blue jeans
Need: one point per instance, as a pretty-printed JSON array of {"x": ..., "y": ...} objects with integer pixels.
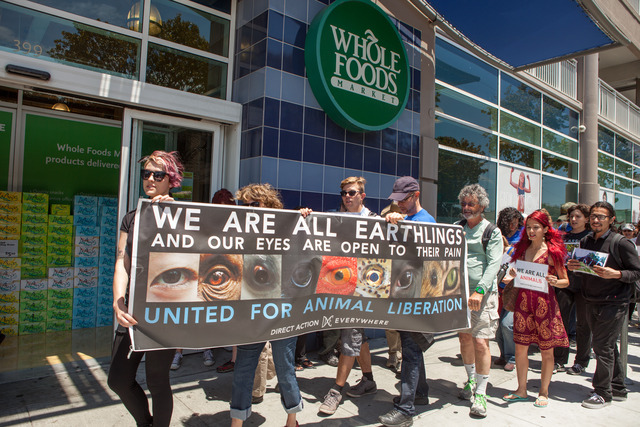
[
  {"x": 245, "y": 369},
  {"x": 413, "y": 376},
  {"x": 504, "y": 337}
]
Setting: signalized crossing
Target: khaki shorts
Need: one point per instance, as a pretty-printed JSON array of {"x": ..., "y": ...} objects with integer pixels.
[{"x": 484, "y": 322}]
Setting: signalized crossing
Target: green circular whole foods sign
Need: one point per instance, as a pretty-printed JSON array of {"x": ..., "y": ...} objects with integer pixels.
[{"x": 357, "y": 65}]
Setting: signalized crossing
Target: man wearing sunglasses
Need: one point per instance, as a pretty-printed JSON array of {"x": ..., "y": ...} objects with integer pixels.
[{"x": 607, "y": 295}]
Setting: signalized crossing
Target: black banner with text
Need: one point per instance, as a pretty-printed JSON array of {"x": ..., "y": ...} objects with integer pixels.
[{"x": 214, "y": 275}]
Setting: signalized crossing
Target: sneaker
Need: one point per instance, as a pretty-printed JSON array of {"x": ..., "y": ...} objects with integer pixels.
[
  {"x": 417, "y": 401},
  {"x": 576, "y": 369},
  {"x": 573, "y": 344},
  {"x": 393, "y": 362},
  {"x": 509, "y": 367},
  {"x": 479, "y": 407},
  {"x": 226, "y": 367},
  {"x": 595, "y": 402},
  {"x": 177, "y": 361},
  {"x": 500, "y": 362},
  {"x": 330, "y": 359},
  {"x": 468, "y": 390},
  {"x": 256, "y": 399},
  {"x": 208, "y": 358},
  {"x": 619, "y": 395},
  {"x": 558, "y": 367},
  {"x": 365, "y": 386},
  {"x": 395, "y": 418},
  {"x": 331, "y": 402}
]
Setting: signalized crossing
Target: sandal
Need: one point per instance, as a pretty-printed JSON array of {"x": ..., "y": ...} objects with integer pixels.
[
  {"x": 512, "y": 397},
  {"x": 541, "y": 402},
  {"x": 307, "y": 363},
  {"x": 299, "y": 367},
  {"x": 226, "y": 367}
]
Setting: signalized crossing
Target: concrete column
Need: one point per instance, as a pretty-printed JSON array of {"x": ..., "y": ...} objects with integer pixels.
[
  {"x": 589, "y": 188},
  {"x": 428, "y": 144}
]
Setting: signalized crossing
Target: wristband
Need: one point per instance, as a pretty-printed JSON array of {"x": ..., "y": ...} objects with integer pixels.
[{"x": 480, "y": 290}]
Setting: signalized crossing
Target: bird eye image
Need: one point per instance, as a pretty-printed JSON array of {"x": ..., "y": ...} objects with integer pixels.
[
  {"x": 440, "y": 278},
  {"x": 406, "y": 279},
  {"x": 220, "y": 277},
  {"x": 338, "y": 275},
  {"x": 300, "y": 275},
  {"x": 373, "y": 278},
  {"x": 261, "y": 276},
  {"x": 173, "y": 277}
]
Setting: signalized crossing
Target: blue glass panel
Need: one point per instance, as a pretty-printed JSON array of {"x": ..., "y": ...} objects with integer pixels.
[
  {"x": 254, "y": 113},
  {"x": 293, "y": 89},
  {"x": 294, "y": 32},
  {"x": 291, "y": 116},
  {"x": 290, "y": 199},
  {"x": 560, "y": 118},
  {"x": 273, "y": 79},
  {"x": 243, "y": 64},
  {"x": 386, "y": 185},
  {"x": 312, "y": 177},
  {"x": 636, "y": 154},
  {"x": 259, "y": 28},
  {"x": 390, "y": 139},
  {"x": 250, "y": 143},
  {"x": 269, "y": 171},
  {"x": 311, "y": 200},
  {"x": 334, "y": 153},
  {"x": 415, "y": 145},
  {"x": 244, "y": 37},
  {"x": 274, "y": 54},
  {"x": 314, "y": 121},
  {"x": 415, "y": 101},
  {"x": 271, "y": 112},
  {"x": 270, "y": 142},
  {"x": 415, "y": 79},
  {"x": 249, "y": 171},
  {"x": 293, "y": 60},
  {"x": 465, "y": 72},
  {"x": 404, "y": 165},
  {"x": 372, "y": 204},
  {"x": 332, "y": 178},
  {"x": 520, "y": 98},
  {"x": 606, "y": 140},
  {"x": 313, "y": 149},
  {"x": 276, "y": 25},
  {"x": 296, "y": 9},
  {"x": 290, "y": 145},
  {"x": 462, "y": 107},
  {"x": 465, "y": 138},
  {"x": 372, "y": 187},
  {"x": 388, "y": 162},
  {"x": 623, "y": 148},
  {"x": 355, "y": 137},
  {"x": 404, "y": 143},
  {"x": 331, "y": 203},
  {"x": 372, "y": 139},
  {"x": 353, "y": 156},
  {"x": 333, "y": 130},
  {"x": 372, "y": 159},
  {"x": 289, "y": 175},
  {"x": 259, "y": 55},
  {"x": 415, "y": 167}
]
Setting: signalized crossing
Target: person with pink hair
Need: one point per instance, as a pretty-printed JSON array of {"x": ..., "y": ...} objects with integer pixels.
[{"x": 537, "y": 316}]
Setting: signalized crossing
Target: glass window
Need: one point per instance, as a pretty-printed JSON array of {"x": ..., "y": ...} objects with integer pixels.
[
  {"x": 221, "y": 5},
  {"x": 465, "y": 138},
  {"x": 519, "y": 129},
  {"x": 513, "y": 152},
  {"x": 560, "y": 118},
  {"x": 559, "y": 166},
  {"x": 605, "y": 179},
  {"x": 636, "y": 173},
  {"x": 191, "y": 27},
  {"x": 554, "y": 142},
  {"x": 465, "y": 108},
  {"x": 623, "y": 185},
  {"x": 623, "y": 208},
  {"x": 606, "y": 140},
  {"x": 465, "y": 72},
  {"x": 42, "y": 36},
  {"x": 636, "y": 189},
  {"x": 624, "y": 169},
  {"x": 605, "y": 162},
  {"x": 454, "y": 172},
  {"x": 636, "y": 154},
  {"x": 519, "y": 98},
  {"x": 556, "y": 192},
  {"x": 179, "y": 70},
  {"x": 114, "y": 12},
  {"x": 623, "y": 148}
]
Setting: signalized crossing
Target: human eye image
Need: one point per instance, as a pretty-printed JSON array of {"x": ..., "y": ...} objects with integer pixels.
[
  {"x": 261, "y": 276},
  {"x": 406, "y": 278},
  {"x": 338, "y": 275},
  {"x": 440, "y": 278},
  {"x": 220, "y": 277},
  {"x": 172, "y": 277},
  {"x": 373, "y": 278},
  {"x": 300, "y": 275}
]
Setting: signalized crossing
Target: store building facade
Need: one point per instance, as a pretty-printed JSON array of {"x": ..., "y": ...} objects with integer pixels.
[{"x": 89, "y": 87}]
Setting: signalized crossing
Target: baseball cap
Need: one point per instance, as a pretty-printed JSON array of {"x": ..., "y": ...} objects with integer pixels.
[
  {"x": 628, "y": 227},
  {"x": 402, "y": 187}
]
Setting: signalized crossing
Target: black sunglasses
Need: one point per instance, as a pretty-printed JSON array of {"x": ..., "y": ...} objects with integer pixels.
[
  {"x": 157, "y": 175},
  {"x": 252, "y": 204},
  {"x": 351, "y": 193}
]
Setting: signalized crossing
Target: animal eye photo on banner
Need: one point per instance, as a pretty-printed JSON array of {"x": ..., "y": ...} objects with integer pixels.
[
  {"x": 220, "y": 277},
  {"x": 172, "y": 277},
  {"x": 338, "y": 275},
  {"x": 373, "y": 278},
  {"x": 440, "y": 278},
  {"x": 300, "y": 275},
  {"x": 406, "y": 278},
  {"x": 261, "y": 276}
]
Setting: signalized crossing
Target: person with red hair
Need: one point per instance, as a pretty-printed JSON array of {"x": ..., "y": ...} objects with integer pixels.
[{"x": 537, "y": 316}]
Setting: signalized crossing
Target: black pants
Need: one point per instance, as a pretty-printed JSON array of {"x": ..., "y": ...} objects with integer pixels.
[
  {"x": 330, "y": 339},
  {"x": 122, "y": 380},
  {"x": 566, "y": 300},
  {"x": 605, "y": 321}
]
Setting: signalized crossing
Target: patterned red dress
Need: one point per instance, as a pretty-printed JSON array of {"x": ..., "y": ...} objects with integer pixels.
[{"x": 537, "y": 316}]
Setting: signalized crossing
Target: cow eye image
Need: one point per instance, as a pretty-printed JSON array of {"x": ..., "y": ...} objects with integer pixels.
[
  {"x": 338, "y": 275},
  {"x": 440, "y": 278},
  {"x": 261, "y": 276},
  {"x": 220, "y": 277},
  {"x": 300, "y": 275},
  {"x": 373, "y": 278},
  {"x": 173, "y": 277},
  {"x": 406, "y": 278}
]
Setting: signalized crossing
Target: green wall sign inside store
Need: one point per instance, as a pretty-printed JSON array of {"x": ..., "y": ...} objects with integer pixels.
[
  {"x": 357, "y": 65},
  {"x": 65, "y": 157},
  {"x": 6, "y": 120}
]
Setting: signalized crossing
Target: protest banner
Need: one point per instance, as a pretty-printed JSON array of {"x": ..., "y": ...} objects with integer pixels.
[{"x": 213, "y": 275}]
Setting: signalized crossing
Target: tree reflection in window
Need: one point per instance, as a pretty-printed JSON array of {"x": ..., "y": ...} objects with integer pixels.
[{"x": 519, "y": 154}]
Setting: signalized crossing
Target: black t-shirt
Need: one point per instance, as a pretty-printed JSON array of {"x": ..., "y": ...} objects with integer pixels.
[
  {"x": 571, "y": 241},
  {"x": 127, "y": 227}
]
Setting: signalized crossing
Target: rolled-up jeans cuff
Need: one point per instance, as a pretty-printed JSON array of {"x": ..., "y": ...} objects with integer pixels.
[
  {"x": 295, "y": 409},
  {"x": 241, "y": 414}
]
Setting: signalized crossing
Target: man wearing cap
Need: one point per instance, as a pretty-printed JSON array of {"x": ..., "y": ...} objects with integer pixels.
[
  {"x": 627, "y": 231},
  {"x": 414, "y": 389}
]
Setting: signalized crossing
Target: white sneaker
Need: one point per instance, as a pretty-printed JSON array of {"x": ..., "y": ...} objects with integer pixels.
[
  {"x": 208, "y": 358},
  {"x": 177, "y": 361}
]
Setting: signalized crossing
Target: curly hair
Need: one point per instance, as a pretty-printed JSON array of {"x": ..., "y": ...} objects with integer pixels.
[
  {"x": 585, "y": 209},
  {"x": 170, "y": 163},
  {"x": 360, "y": 181},
  {"x": 263, "y": 193},
  {"x": 506, "y": 217},
  {"x": 223, "y": 197},
  {"x": 477, "y": 191},
  {"x": 555, "y": 245}
]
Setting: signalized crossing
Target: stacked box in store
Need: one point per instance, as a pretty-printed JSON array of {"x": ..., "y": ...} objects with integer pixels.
[
  {"x": 60, "y": 297},
  {"x": 108, "y": 210},
  {"x": 9, "y": 295},
  {"x": 86, "y": 261},
  {"x": 60, "y": 267}
]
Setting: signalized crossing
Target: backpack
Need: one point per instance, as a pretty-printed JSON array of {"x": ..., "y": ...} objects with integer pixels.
[{"x": 486, "y": 235}]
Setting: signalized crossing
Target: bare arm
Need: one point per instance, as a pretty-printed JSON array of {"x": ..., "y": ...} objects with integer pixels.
[{"x": 121, "y": 282}]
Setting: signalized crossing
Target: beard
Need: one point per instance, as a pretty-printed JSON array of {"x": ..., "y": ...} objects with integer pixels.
[{"x": 470, "y": 215}]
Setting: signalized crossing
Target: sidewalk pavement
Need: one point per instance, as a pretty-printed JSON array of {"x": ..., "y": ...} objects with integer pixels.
[{"x": 76, "y": 394}]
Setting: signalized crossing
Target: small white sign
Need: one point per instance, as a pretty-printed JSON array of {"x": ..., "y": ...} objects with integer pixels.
[
  {"x": 8, "y": 248},
  {"x": 531, "y": 275}
]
